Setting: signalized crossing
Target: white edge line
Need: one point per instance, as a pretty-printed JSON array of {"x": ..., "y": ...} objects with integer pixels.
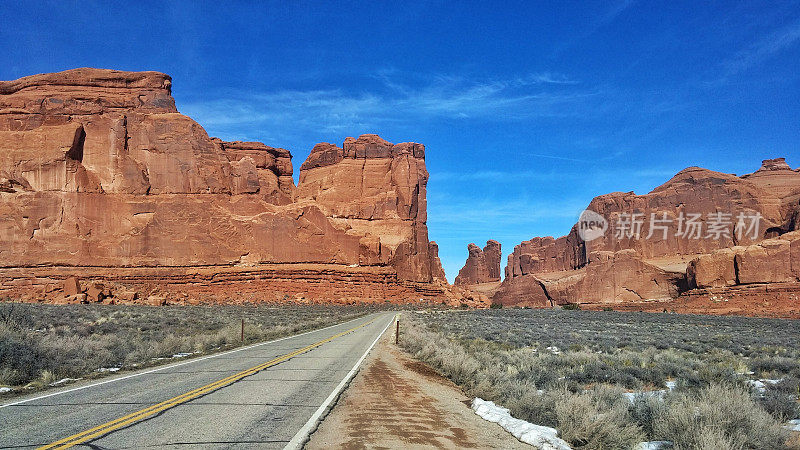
[
  {"x": 303, "y": 434},
  {"x": 170, "y": 366}
]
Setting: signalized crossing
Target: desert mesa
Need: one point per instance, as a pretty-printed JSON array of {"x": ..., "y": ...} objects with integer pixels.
[{"x": 109, "y": 194}]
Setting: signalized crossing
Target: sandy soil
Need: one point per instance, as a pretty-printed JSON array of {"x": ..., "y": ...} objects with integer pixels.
[{"x": 397, "y": 402}]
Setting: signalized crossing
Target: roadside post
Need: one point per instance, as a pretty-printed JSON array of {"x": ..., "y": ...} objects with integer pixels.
[
  {"x": 242, "y": 335},
  {"x": 397, "y": 330}
]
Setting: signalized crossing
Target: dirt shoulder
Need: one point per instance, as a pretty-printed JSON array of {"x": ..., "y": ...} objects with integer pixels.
[{"x": 397, "y": 402}]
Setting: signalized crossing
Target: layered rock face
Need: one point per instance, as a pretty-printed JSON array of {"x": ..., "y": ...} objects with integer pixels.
[
  {"x": 98, "y": 171},
  {"x": 482, "y": 266},
  {"x": 691, "y": 232},
  {"x": 375, "y": 189}
]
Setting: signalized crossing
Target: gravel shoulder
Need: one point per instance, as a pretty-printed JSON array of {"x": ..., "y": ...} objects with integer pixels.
[{"x": 397, "y": 402}]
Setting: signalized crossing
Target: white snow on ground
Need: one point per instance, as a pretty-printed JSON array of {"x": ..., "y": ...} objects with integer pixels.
[
  {"x": 554, "y": 350},
  {"x": 4, "y": 389},
  {"x": 108, "y": 369},
  {"x": 653, "y": 445},
  {"x": 761, "y": 385},
  {"x": 181, "y": 355},
  {"x": 793, "y": 425},
  {"x": 631, "y": 396},
  {"x": 657, "y": 393},
  {"x": 63, "y": 380},
  {"x": 545, "y": 438}
]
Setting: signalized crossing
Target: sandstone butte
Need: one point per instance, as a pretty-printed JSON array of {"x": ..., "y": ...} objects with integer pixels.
[
  {"x": 735, "y": 274},
  {"x": 481, "y": 272},
  {"x": 109, "y": 194}
]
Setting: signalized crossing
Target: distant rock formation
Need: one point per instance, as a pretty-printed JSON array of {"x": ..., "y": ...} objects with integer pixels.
[
  {"x": 482, "y": 266},
  {"x": 104, "y": 181},
  {"x": 693, "y": 232}
]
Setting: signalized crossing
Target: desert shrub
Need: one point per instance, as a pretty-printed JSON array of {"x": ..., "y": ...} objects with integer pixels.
[
  {"x": 774, "y": 366},
  {"x": 643, "y": 411},
  {"x": 571, "y": 307},
  {"x": 596, "y": 419},
  {"x": 720, "y": 414},
  {"x": 496, "y": 306},
  {"x": 533, "y": 406},
  {"x": 782, "y": 406},
  {"x": 713, "y": 438},
  {"x": 21, "y": 356},
  {"x": 780, "y": 399},
  {"x": 788, "y": 385}
]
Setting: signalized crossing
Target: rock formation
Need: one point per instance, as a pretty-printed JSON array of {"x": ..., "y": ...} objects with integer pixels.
[
  {"x": 701, "y": 229},
  {"x": 103, "y": 181},
  {"x": 482, "y": 266}
]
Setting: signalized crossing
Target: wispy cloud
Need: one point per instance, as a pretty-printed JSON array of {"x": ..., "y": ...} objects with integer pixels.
[
  {"x": 610, "y": 11},
  {"x": 764, "y": 48},
  {"x": 497, "y": 176},
  {"x": 392, "y": 101}
]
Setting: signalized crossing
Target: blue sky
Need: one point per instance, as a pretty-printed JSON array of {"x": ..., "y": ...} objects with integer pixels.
[{"x": 527, "y": 109}]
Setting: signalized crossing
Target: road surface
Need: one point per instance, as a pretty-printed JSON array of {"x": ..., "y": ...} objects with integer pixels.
[{"x": 267, "y": 395}]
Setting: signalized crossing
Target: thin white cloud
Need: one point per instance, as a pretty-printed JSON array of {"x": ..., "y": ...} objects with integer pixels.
[
  {"x": 391, "y": 102},
  {"x": 764, "y": 48},
  {"x": 599, "y": 19}
]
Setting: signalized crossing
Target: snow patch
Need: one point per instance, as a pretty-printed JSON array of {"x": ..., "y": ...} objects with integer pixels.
[
  {"x": 181, "y": 355},
  {"x": 62, "y": 381},
  {"x": 108, "y": 369},
  {"x": 653, "y": 445},
  {"x": 631, "y": 396},
  {"x": 793, "y": 425},
  {"x": 554, "y": 350},
  {"x": 4, "y": 389},
  {"x": 761, "y": 385},
  {"x": 544, "y": 438}
]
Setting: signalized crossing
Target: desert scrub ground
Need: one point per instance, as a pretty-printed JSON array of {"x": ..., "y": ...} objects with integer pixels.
[
  {"x": 609, "y": 380},
  {"x": 43, "y": 345}
]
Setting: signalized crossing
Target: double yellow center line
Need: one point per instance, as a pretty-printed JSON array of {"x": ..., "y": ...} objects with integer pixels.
[{"x": 100, "y": 430}]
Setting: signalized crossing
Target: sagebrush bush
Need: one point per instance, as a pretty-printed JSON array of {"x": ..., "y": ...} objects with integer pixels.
[
  {"x": 596, "y": 419},
  {"x": 644, "y": 410},
  {"x": 717, "y": 413}
]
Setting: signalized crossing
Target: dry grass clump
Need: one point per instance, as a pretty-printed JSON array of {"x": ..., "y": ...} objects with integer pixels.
[{"x": 41, "y": 344}]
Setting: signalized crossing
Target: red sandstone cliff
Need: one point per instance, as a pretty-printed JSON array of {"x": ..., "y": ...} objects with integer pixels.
[
  {"x": 99, "y": 171},
  {"x": 666, "y": 262}
]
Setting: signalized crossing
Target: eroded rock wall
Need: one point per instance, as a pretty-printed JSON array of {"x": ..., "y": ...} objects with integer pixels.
[
  {"x": 663, "y": 258},
  {"x": 98, "y": 169}
]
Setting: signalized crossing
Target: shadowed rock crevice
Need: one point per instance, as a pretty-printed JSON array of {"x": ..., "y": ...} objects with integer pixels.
[{"x": 75, "y": 152}]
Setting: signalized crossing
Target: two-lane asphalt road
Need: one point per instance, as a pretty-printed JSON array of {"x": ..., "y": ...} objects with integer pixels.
[{"x": 267, "y": 395}]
